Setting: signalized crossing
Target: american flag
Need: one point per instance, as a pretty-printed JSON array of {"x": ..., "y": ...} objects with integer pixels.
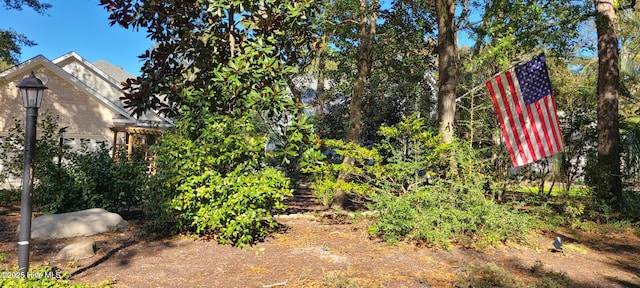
[{"x": 527, "y": 112}]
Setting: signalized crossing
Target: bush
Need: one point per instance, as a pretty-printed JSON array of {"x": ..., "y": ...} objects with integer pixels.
[
  {"x": 91, "y": 179},
  {"x": 416, "y": 194},
  {"x": 405, "y": 160},
  {"x": 450, "y": 210},
  {"x": 366, "y": 167},
  {"x": 215, "y": 184},
  {"x": 67, "y": 180}
]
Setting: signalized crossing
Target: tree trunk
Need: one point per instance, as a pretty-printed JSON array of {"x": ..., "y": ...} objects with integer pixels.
[
  {"x": 367, "y": 33},
  {"x": 448, "y": 67},
  {"x": 608, "y": 79},
  {"x": 320, "y": 93}
]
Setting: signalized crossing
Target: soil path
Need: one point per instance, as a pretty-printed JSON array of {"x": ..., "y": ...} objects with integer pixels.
[{"x": 320, "y": 248}]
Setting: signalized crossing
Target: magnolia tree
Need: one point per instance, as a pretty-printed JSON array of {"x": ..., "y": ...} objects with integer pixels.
[{"x": 217, "y": 68}]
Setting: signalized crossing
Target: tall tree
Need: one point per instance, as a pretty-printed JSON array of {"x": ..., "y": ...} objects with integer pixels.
[
  {"x": 627, "y": 27},
  {"x": 608, "y": 86},
  {"x": 383, "y": 52},
  {"x": 448, "y": 61},
  {"x": 367, "y": 27},
  {"x": 10, "y": 40},
  {"x": 506, "y": 32},
  {"x": 402, "y": 53}
]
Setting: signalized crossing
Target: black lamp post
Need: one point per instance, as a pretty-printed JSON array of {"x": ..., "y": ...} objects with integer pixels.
[{"x": 32, "y": 90}]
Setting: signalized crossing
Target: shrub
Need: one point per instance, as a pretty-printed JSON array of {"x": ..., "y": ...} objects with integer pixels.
[
  {"x": 415, "y": 193},
  {"x": 215, "y": 184},
  {"x": 450, "y": 210},
  {"x": 67, "y": 180},
  {"x": 366, "y": 167},
  {"x": 405, "y": 160},
  {"x": 90, "y": 179},
  {"x": 48, "y": 149}
]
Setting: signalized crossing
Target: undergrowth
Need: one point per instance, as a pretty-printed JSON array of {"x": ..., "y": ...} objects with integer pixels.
[{"x": 422, "y": 189}]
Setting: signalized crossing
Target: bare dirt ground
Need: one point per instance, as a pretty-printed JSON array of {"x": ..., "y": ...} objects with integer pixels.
[{"x": 319, "y": 248}]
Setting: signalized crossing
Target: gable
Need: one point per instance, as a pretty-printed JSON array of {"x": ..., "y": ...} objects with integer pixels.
[
  {"x": 78, "y": 81},
  {"x": 77, "y": 110},
  {"x": 108, "y": 84}
]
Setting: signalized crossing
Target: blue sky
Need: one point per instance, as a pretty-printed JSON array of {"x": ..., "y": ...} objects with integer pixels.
[{"x": 81, "y": 26}]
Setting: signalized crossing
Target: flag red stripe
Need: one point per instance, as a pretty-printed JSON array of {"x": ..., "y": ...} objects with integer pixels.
[
  {"x": 550, "y": 133},
  {"x": 556, "y": 122},
  {"x": 536, "y": 131},
  {"x": 505, "y": 101},
  {"x": 496, "y": 105},
  {"x": 546, "y": 126},
  {"x": 526, "y": 152}
]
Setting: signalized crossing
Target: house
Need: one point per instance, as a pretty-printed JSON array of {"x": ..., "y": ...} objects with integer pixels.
[{"x": 85, "y": 96}]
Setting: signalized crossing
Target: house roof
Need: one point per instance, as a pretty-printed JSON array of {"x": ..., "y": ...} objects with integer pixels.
[
  {"x": 64, "y": 66},
  {"x": 115, "y": 72}
]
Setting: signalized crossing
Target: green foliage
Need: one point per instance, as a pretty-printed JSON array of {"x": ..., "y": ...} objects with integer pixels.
[
  {"x": 412, "y": 155},
  {"x": 631, "y": 152},
  {"x": 296, "y": 139},
  {"x": 91, "y": 179},
  {"x": 403, "y": 51},
  {"x": 332, "y": 125},
  {"x": 595, "y": 178},
  {"x": 510, "y": 29},
  {"x": 445, "y": 213},
  {"x": 630, "y": 197},
  {"x": 47, "y": 152},
  {"x": 67, "y": 180},
  {"x": 228, "y": 71},
  {"x": 326, "y": 170},
  {"x": 237, "y": 54},
  {"x": 405, "y": 160},
  {"x": 412, "y": 191},
  {"x": 9, "y": 196},
  {"x": 215, "y": 184}
]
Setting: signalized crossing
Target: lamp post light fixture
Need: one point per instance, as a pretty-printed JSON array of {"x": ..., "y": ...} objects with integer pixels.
[{"x": 32, "y": 90}]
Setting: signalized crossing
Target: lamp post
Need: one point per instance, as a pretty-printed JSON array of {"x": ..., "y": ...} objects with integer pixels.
[{"x": 32, "y": 90}]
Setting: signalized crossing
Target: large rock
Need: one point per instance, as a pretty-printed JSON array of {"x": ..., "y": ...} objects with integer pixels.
[
  {"x": 81, "y": 249},
  {"x": 74, "y": 224}
]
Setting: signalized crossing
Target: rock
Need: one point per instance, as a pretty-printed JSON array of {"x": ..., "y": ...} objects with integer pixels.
[
  {"x": 74, "y": 224},
  {"x": 81, "y": 249}
]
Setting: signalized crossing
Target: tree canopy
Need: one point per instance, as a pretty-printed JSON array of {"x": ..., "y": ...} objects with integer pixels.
[{"x": 232, "y": 55}]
